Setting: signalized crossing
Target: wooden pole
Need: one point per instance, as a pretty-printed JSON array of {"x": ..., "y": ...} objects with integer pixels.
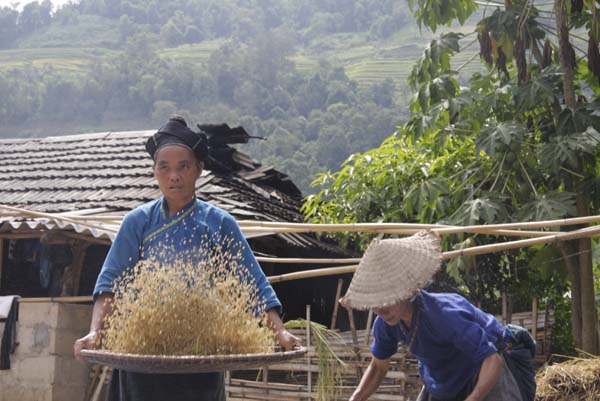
[
  {"x": 79, "y": 251},
  {"x": 546, "y": 322},
  {"x": 336, "y": 304},
  {"x": 354, "y": 342},
  {"x": 309, "y": 373},
  {"x": 96, "y": 395},
  {"x": 1, "y": 259},
  {"x": 369, "y": 322},
  {"x": 504, "y": 309},
  {"x": 534, "y": 308},
  {"x": 81, "y": 299}
]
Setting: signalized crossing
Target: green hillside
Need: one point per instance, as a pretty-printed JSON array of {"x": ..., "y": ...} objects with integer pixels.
[{"x": 321, "y": 79}]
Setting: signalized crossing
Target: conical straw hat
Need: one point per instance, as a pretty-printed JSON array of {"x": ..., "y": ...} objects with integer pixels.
[{"x": 393, "y": 270}]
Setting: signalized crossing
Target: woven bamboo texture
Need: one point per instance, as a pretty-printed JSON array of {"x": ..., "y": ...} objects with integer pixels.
[{"x": 188, "y": 363}]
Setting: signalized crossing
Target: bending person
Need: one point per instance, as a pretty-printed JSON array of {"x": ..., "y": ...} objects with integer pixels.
[{"x": 456, "y": 344}]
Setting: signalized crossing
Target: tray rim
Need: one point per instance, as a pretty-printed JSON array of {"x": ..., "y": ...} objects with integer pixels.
[{"x": 165, "y": 364}]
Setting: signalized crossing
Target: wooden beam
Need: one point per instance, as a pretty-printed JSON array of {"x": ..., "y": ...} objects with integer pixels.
[
  {"x": 80, "y": 299},
  {"x": 534, "y": 308},
  {"x": 22, "y": 235},
  {"x": 79, "y": 251},
  {"x": 88, "y": 238},
  {"x": 1, "y": 259}
]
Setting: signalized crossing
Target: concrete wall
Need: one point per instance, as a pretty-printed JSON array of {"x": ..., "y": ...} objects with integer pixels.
[{"x": 43, "y": 367}]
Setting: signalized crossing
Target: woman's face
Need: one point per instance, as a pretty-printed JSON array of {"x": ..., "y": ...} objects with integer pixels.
[
  {"x": 176, "y": 170},
  {"x": 394, "y": 313}
]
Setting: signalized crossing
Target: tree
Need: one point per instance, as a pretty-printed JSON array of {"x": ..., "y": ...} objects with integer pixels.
[
  {"x": 8, "y": 27},
  {"x": 527, "y": 117},
  {"x": 34, "y": 16}
]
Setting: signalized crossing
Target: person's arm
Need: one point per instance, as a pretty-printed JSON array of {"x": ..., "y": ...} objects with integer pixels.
[
  {"x": 286, "y": 339},
  {"x": 102, "y": 308},
  {"x": 371, "y": 379},
  {"x": 488, "y": 376}
]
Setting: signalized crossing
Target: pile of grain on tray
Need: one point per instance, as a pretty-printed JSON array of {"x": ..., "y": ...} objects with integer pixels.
[{"x": 205, "y": 305}]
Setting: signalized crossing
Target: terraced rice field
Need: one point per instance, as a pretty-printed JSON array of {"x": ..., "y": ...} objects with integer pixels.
[
  {"x": 68, "y": 60},
  {"x": 197, "y": 53}
]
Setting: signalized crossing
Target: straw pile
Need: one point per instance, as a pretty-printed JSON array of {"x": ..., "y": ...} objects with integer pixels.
[
  {"x": 574, "y": 380},
  {"x": 205, "y": 305}
]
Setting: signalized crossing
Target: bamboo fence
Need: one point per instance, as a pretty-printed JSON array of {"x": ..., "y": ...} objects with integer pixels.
[{"x": 110, "y": 224}]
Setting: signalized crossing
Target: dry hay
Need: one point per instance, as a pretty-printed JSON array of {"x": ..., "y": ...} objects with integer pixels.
[
  {"x": 575, "y": 380},
  {"x": 331, "y": 367},
  {"x": 205, "y": 305}
]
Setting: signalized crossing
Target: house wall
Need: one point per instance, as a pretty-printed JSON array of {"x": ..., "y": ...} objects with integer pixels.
[{"x": 43, "y": 367}]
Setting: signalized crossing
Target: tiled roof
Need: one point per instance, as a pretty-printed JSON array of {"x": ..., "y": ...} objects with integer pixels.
[{"x": 111, "y": 174}]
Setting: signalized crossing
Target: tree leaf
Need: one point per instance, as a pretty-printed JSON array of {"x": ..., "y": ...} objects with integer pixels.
[
  {"x": 496, "y": 139},
  {"x": 550, "y": 206}
]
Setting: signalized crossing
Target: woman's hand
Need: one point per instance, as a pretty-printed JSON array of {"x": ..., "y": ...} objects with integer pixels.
[
  {"x": 287, "y": 340},
  {"x": 90, "y": 341}
]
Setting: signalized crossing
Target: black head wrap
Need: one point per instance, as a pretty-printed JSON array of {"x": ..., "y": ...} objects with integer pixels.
[{"x": 176, "y": 131}]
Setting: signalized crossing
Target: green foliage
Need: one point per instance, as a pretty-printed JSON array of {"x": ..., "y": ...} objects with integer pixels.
[
  {"x": 533, "y": 155},
  {"x": 400, "y": 181},
  {"x": 434, "y": 13}
]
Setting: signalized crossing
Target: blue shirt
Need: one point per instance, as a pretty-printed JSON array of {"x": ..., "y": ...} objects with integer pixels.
[
  {"x": 451, "y": 339},
  {"x": 148, "y": 230}
]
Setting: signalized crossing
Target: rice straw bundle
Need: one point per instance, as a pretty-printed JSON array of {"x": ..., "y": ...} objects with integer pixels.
[
  {"x": 574, "y": 380},
  {"x": 331, "y": 366},
  {"x": 205, "y": 305}
]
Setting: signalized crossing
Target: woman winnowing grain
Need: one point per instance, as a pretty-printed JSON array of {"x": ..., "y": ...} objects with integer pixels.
[{"x": 181, "y": 220}]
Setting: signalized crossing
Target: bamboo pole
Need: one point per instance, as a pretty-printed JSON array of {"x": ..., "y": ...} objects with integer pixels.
[
  {"x": 258, "y": 231},
  {"x": 483, "y": 249},
  {"x": 264, "y": 259},
  {"x": 336, "y": 304},
  {"x": 444, "y": 229},
  {"x": 476, "y": 250},
  {"x": 335, "y": 227},
  {"x": 79, "y": 299},
  {"x": 312, "y": 273}
]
